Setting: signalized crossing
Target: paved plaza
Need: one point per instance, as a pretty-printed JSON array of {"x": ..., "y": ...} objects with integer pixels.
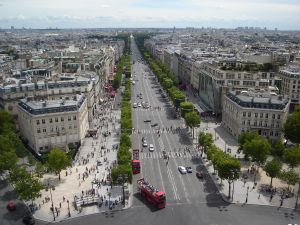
[{"x": 87, "y": 182}]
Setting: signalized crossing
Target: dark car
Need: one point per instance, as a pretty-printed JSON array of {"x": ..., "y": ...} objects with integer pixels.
[
  {"x": 148, "y": 120},
  {"x": 28, "y": 219},
  {"x": 154, "y": 125},
  {"x": 189, "y": 169},
  {"x": 199, "y": 175}
]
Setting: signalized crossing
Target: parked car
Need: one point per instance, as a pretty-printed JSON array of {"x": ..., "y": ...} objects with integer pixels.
[
  {"x": 189, "y": 169},
  {"x": 154, "y": 125},
  {"x": 182, "y": 169}
]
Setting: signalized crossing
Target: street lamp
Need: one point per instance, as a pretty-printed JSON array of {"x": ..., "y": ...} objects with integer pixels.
[
  {"x": 52, "y": 205},
  {"x": 247, "y": 194},
  {"x": 296, "y": 205},
  {"x": 69, "y": 213}
]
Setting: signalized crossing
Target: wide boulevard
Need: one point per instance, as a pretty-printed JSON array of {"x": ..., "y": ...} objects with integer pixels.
[{"x": 190, "y": 201}]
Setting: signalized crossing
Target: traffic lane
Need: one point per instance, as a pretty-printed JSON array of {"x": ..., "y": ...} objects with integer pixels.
[{"x": 190, "y": 214}]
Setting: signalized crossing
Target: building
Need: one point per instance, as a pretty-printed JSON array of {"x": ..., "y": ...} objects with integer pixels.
[
  {"x": 255, "y": 111},
  {"x": 57, "y": 123},
  {"x": 290, "y": 77}
]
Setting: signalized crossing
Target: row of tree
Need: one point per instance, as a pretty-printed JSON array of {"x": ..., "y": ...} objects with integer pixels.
[{"x": 123, "y": 172}]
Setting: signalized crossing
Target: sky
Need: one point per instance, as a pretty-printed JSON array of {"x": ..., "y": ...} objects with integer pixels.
[{"x": 281, "y": 14}]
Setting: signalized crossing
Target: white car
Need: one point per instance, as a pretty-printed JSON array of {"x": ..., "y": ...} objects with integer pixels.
[
  {"x": 135, "y": 105},
  {"x": 151, "y": 148},
  {"x": 182, "y": 169},
  {"x": 139, "y": 105}
]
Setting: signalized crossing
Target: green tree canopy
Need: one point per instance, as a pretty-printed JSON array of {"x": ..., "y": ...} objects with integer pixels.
[
  {"x": 246, "y": 137},
  {"x": 192, "y": 120},
  {"x": 278, "y": 149},
  {"x": 205, "y": 140},
  {"x": 292, "y": 156},
  {"x": 26, "y": 185},
  {"x": 186, "y": 107},
  {"x": 257, "y": 149},
  {"x": 8, "y": 157},
  {"x": 273, "y": 169},
  {"x": 291, "y": 127},
  {"x": 290, "y": 177},
  {"x": 58, "y": 161}
]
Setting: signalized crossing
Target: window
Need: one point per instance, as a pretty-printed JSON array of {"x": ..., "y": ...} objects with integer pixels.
[
  {"x": 62, "y": 119},
  {"x": 43, "y": 121},
  {"x": 37, "y": 122},
  {"x": 70, "y": 127},
  {"x": 255, "y": 123},
  {"x": 278, "y": 117},
  {"x": 244, "y": 114},
  {"x": 62, "y": 128},
  {"x": 44, "y": 130},
  {"x": 248, "y": 122},
  {"x": 256, "y": 114},
  {"x": 38, "y": 130},
  {"x": 261, "y": 115},
  {"x": 267, "y": 115},
  {"x": 69, "y": 118},
  {"x": 56, "y": 119},
  {"x": 271, "y": 133},
  {"x": 243, "y": 122},
  {"x": 273, "y": 116},
  {"x": 50, "y": 120},
  {"x": 249, "y": 114},
  {"x": 74, "y": 117}
]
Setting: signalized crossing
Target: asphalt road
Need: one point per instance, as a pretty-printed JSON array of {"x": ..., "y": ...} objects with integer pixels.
[{"x": 189, "y": 200}]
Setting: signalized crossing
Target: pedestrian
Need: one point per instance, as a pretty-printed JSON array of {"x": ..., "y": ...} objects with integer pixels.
[{"x": 60, "y": 205}]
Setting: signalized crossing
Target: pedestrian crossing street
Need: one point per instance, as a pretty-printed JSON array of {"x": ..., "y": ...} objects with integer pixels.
[{"x": 159, "y": 155}]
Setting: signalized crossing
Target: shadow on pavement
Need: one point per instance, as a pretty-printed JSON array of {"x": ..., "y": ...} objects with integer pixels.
[{"x": 139, "y": 198}]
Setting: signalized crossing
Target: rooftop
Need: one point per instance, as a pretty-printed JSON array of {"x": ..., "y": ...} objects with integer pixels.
[
  {"x": 252, "y": 99},
  {"x": 54, "y": 106}
]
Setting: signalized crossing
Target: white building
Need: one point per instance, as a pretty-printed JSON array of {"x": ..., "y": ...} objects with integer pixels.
[
  {"x": 57, "y": 123},
  {"x": 255, "y": 111}
]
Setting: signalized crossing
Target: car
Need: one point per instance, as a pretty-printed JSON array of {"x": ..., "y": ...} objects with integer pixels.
[
  {"x": 146, "y": 106},
  {"x": 135, "y": 105},
  {"x": 139, "y": 105},
  {"x": 154, "y": 125},
  {"x": 199, "y": 175},
  {"x": 189, "y": 169},
  {"x": 147, "y": 121},
  {"x": 141, "y": 97},
  {"x": 11, "y": 206},
  {"x": 151, "y": 148},
  {"x": 182, "y": 169},
  {"x": 143, "y": 139},
  {"x": 28, "y": 219},
  {"x": 145, "y": 144}
]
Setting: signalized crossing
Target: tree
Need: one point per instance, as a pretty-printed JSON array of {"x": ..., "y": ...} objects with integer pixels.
[
  {"x": 277, "y": 149},
  {"x": 120, "y": 170},
  {"x": 6, "y": 122},
  {"x": 292, "y": 156},
  {"x": 125, "y": 140},
  {"x": 8, "y": 157},
  {"x": 292, "y": 126},
  {"x": 257, "y": 149},
  {"x": 290, "y": 177},
  {"x": 186, "y": 107},
  {"x": 192, "y": 120},
  {"x": 26, "y": 185},
  {"x": 58, "y": 161},
  {"x": 247, "y": 136},
  {"x": 205, "y": 140},
  {"x": 273, "y": 169}
]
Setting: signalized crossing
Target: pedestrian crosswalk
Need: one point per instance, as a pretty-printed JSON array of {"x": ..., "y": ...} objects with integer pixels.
[
  {"x": 160, "y": 155},
  {"x": 155, "y": 131}
]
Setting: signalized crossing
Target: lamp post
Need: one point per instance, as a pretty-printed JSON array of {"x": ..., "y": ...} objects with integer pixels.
[
  {"x": 69, "y": 213},
  {"x": 247, "y": 194},
  {"x": 296, "y": 204},
  {"x": 52, "y": 205}
]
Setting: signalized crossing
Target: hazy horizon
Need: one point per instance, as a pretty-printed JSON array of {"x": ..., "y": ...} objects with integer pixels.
[{"x": 77, "y": 14}]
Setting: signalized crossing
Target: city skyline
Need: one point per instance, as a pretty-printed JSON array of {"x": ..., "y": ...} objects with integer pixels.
[{"x": 280, "y": 14}]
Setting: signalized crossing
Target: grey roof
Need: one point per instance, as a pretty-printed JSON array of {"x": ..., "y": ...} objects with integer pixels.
[{"x": 54, "y": 106}]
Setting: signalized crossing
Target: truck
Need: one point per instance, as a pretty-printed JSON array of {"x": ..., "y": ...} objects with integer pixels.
[
  {"x": 136, "y": 163},
  {"x": 151, "y": 194}
]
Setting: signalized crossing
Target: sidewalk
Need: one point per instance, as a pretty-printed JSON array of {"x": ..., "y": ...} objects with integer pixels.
[
  {"x": 88, "y": 178},
  {"x": 240, "y": 188}
]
